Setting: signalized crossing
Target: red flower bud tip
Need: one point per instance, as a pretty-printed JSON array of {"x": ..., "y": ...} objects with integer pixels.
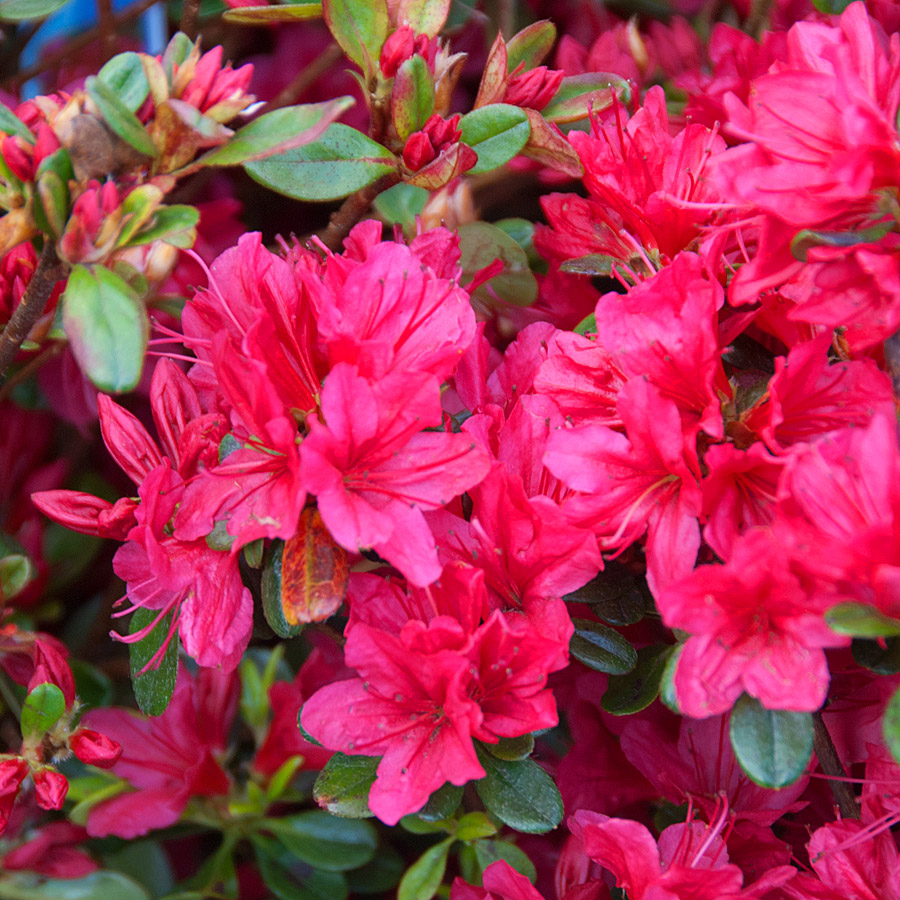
[
  {"x": 18, "y": 154},
  {"x": 418, "y": 151},
  {"x": 13, "y": 770},
  {"x": 534, "y": 89},
  {"x": 94, "y": 748},
  {"x": 47, "y": 143},
  {"x": 398, "y": 48},
  {"x": 50, "y": 666},
  {"x": 50, "y": 788}
]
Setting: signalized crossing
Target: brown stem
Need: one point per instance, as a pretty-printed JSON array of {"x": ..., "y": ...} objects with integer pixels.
[
  {"x": 892, "y": 358},
  {"x": 291, "y": 92},
  {"x": 49, "y": 270},
  {"x": 353, "y": 209},
  {"x": 106, "y": 24},
  {"x": 831, "y": 765},
  {"x": 71, "y": 47},
  {"x": 758, "y": 20},
  {"x": 190, "y": 17}
]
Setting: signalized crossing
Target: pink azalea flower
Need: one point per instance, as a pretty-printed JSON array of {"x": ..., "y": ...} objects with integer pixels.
[
  {"x": 168, "y": 759},
  {"x": 501, "y": 882},
  {"x": 753, "y": 628},
  {"x": 646, "y": 481},
  {"x": 373, "y": 470}
]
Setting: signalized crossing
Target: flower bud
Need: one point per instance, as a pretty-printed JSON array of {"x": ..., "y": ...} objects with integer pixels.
[
  {"x": 50, "y": 788},
  {"x": 94, "y": 748},
  {"x": 534, "y": 89},
  {"x": 13, "y": 770}
]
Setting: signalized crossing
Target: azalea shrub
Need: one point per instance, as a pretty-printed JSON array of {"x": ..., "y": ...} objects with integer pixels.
[{"x": 451, "y": 449}]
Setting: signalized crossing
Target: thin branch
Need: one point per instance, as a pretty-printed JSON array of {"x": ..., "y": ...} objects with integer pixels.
[
  {"x": 190, "y": 17},
  {"x": 71, "y": 47},
  {"x": 353, "y": 209},
  {"x": 831, "y": 765},
  {"x": 106, "y": 24},
  {"x": 49, "y": 270},
  {"x": 30, "y": 368}
]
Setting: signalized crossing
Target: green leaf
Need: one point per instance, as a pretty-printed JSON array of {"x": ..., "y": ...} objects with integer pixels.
[
  {"x": 137, "y": 209},
  {"x": 401, "y": 204},
  {"x": 601, "y": 648},
  {"x": 480, "y": 244},
  {"x": 628, "y": 694},
  {"x": 42, "y": 709},
  {"x": 512, "y": 748},
  {"x": 10, "y": 123},
  {"x": 595, "y": 264},
  {"x": 273, "y": 608},
  {"x": 412, "y": 97},
  {"x": 17, "y": 570},
  {"x": 152, "y": 689},
  {"x": 424, "y": 876},
  {"x": 106, "y": 324},
  {"x": 473, "y": 826},
  {"x": 324, "y": 841},
  {"x": 805, "y": 240},
  {"x": 121, "y": 120},
  {"x": 339, "y": 163},
  {"x": 772, "y": 746},
  {"x": 521, "y": 794},
  {"x": 667, "y": 693},
  {"x": 277, "y": 132},
  {"x": 529, "y": 47},
  {"x": 615, "y": 594},
  {"x": 424, "y": 16},
  {"x": 290, "y": 879},
  {"x": 831, "y": 7},
  {"x": 342, "y": 787},
  {"x": 175, "y": 225},
  {"x": 890, "y": 726},
  {"x": 496, "y": 133},
  {"x": 273, "y": 15},
  {"x": 99, "y": 885},
  {"x": 487, "y": 852},
  {"x": 861, "y": 620},
  {"x": 378, "y": 876},
  {"x": 881, "y": 660},
  {"x": 176, "y": 52},
  {"x": 360, "y": 27},
  {"x": 588, "y": 325},
  {"x": 283, "y": 777},
  {"x": 442, "y": 803},
  {"x": 93, "y": 686},
  {"x": 578, "y": 94},
  {"x": 22, "y": 10},
  {"x": 124, "y": 75}
]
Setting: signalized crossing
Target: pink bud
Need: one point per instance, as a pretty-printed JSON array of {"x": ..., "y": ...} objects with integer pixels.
[
  {"x": 398, "y": 48},
  {"x": 534, "y": 89},
  {"x": 47, "y": 143},
  {"x": 50, "y": 788},
  {"x": 19, "y": 156},
  {"x": 94, "y": 748},
  {"x": 50, "y": 666},
  {"x": 418, "y": 151},
  {"x": 13, "y": 770}
]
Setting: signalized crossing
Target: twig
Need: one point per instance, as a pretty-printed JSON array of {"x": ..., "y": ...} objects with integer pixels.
[
  {"x": 353, "y": 209},
  {"x": 30, "y": 368},
  {"x": 49, "y": 270},
  {"x": 71, "y": 47},
  {"x": 831, "y": 765},
  {"x": 291, "y": 92},
  {"x": 190, "y": 16},
  {"x": 105, "y": 22}
]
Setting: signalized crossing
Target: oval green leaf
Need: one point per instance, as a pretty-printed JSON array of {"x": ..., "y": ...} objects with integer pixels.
[
  {"x": 10, "y": 123},
  {"x": 100, "y": 884},
  {"x": 325, "y": 841},
  {"x": 342, "y": 787},
  {"x": 881, "y": 660},
  {"x": 512, "y": 748},
  {"x": 124, "y": 74},
  {"x": 106, "y": 324},
  {"x": 423, "y": 878},
  {"x": 412, "y": 97},
  {"x": 772, "y": 746},
  {"x": 424, "y": 16},
  {"x": 360, "y": 27},
  {"x": 42, "y": 709},
  {"x": 890, "y": 726},
  {"x": 628, "y": 694},
  {"x": 272, "y": 15},
  {"x": 23, "y": 10},
  {"x": 121, "y": 120},
  {"x": 861, "y": 620},
  {"x": 339, "y": 163},
  {"x": 521, "y": 794},
  {"x": 442, "y": 803},
  {"x": 496, "y": 133},
  {"x": 615, "y": 594},
  {"x": 529, "y": 47},
  {"x": 277, "y": 132},
  {"x": 480, "y": 244},
  {"x": 579, "y": 94},
  {"x": 152, "y": 689},
  {"x": 601, "y": 648}
]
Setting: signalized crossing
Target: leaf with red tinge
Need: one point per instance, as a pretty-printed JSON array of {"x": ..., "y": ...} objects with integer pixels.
[
  {"x": 493, "y": 82},
  {"x": 452, "y": 162},
  {"x": 549, "y": 147},
  {"x": 277, "y": 132},
  {"x": 412, "y": 98},
  {"x": 529, "y": 47},
  {"x": 579, "y": 94},
  {"x": 279, "y": 13},
  {"x": 423, "y": 16},
  {"x": 360, "y": 27}
]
